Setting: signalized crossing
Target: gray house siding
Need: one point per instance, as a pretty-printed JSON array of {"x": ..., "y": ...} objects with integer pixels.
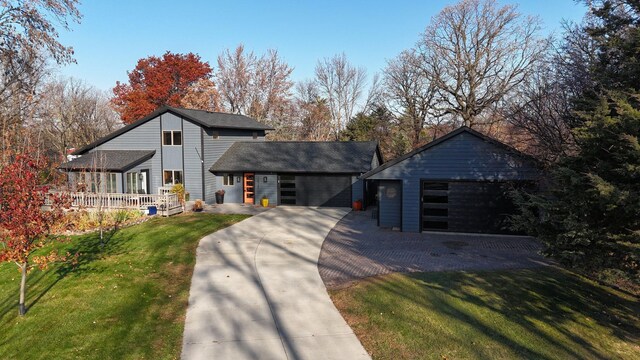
[
  {"x": 268, "y": 189},
  {"x": 463, "y": 157},
  {"x": 147, "y": 165},
  {"x": 193, "y": 166},
  {"x": 213, "y": 149},
  {"x": 357, "y": 189},
  {"x": 391, "y": 201},
  {"x": 172, "y": 154},
  {"x": 143, "y": 137}
]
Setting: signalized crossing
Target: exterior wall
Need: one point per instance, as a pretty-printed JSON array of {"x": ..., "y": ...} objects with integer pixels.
[
  {"x": 268, "y": 189},
  {"x": 172, "y": 154},
  {"x": 375, "y": 162},
  {"x": 143, "y": 137},
  {"x": 233, "y": 193},
  {"x": 193, "y": 166},
  {"x": 463, "y": 157},
  {"x": 357, "y": 189},
  {"x": 390, "y": 204},
  {"x": 213, "y": 149}
]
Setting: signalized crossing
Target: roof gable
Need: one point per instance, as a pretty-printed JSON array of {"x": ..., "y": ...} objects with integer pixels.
[
  {"x": 503, "y": 156},
  {"x": 201, "y": 118},
  {"x": 348, "y": 157}
]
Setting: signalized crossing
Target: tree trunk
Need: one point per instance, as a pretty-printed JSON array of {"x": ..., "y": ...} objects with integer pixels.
[{"x": 23, "y": 289}]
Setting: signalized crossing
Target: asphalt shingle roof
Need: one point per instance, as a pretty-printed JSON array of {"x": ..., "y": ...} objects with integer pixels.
[
  {"x": 347, "y": 157},
  {"x": 108, "y": 160},
  {"x": 203, "y": 118}
]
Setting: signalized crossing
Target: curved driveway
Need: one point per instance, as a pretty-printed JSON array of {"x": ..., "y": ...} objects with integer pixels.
[{"x": 256, "y": 292}]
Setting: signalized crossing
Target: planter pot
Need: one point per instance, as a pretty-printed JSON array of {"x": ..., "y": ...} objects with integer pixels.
[
  {"x": 264, "y": 202},
  {"x": 219, "y": 198}
]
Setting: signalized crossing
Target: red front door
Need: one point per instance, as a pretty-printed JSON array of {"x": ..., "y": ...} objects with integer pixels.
[{"x": 249, "y": 188}]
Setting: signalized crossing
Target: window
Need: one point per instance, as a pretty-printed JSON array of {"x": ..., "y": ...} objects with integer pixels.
[
  {"x": 94, "y": 180},
  {"x": 112, "y": 184},
  {"x": 227, "y": 180},
  {"x": 173, "y": 137},
  {"x": 255, "y": 134},
  {"x": 132, "y": 182},
  {"x": 172, "y": 177},
  {"x": 215, "y": 134}
]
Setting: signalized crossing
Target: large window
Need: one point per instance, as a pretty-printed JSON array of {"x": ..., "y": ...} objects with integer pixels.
[
  {"x": 173, "y": 137},
  {"x": 132, "y": 182},
  {"x": 172, "y": 177},
  {"x": 112, "y": 183},
  {"x": 227, "y": 180}
]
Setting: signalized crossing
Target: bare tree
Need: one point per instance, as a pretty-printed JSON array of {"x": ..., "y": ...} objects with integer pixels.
[
  {"x": 202, "y": 95},
  {"x": 313, "y": 112},
  {"x": 73, "y": 114},
  {"x": 341, "y": 84},
  {"x": 410, "y": 93},
  {"x": 475, "y": 53},
  {"x": 234, "y": 75},
  {"x": 257, "y": 86},
  {"x": 28, "y": 37}
]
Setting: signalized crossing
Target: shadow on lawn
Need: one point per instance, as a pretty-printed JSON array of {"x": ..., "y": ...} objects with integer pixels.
[
  {"x": 89, "y": 249},
  {"x": 548, "y": 296}
]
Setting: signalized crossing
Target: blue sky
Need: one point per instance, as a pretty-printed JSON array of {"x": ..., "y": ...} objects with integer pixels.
[{"x": 114, "y": 34}]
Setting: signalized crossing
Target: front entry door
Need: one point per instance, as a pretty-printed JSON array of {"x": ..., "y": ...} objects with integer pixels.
[{"x": 249, "y": 188}]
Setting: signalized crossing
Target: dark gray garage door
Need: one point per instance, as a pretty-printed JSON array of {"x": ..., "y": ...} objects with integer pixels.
[
  {"x": 466, "y": 206},
  {"x": 315, "y": 190}
]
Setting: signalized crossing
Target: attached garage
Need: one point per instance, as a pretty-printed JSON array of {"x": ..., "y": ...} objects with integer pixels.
[
  {"x": 302, "y": 173},
  {"x": 315, "y": 190},
  {"x": 458, "y": 183}
]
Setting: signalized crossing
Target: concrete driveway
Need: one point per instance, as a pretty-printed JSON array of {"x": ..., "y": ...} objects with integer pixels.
[
  {"x": 256, "y": 292},
  {"x": 357, "y": 248}
]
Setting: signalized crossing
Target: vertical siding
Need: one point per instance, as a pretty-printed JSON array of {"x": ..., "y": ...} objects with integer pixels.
[
  {"x": 391, "y": 201},
  {"x": 171, "y": 154},
  {"x": 463, "y": 157},
  {"x": 213, "y": 149},
  {"x": 268, "y": 189},
  {"x": 233, "y": 193},
  {"x": 192, "y": 147},
  {"x": 143, "y": 137}
]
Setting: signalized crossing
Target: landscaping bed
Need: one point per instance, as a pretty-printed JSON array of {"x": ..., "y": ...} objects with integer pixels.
[
  {"x": 544, "y": 313},
  {"x": 127, "y": 299}
]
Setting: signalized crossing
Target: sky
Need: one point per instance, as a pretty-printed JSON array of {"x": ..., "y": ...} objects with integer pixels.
[{"x": 114, "y": 34}]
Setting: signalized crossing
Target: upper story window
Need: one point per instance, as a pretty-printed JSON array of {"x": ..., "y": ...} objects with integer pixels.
[{"x": 172, "y": 137}]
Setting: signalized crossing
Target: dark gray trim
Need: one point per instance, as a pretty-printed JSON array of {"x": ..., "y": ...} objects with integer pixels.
[
  {"x": 122, "y": 178},
  {"x": 184, "y": 175},
  {"x": 121, "y": 165},
  {"x": 204, "y": 195},
  {"x": 445, "y": 138},
  {"x": 161, "y": 151}
]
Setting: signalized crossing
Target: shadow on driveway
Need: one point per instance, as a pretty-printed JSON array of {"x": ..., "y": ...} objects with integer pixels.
[{"x": 357, "y": 248}]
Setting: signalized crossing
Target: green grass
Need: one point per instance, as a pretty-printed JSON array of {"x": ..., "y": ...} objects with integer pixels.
[
  {"x": 126, "y": 300},
  {"x": 545, "y": 313}
]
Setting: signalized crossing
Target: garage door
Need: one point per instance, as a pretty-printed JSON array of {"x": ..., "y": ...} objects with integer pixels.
[
  {"x": 315, "y": 190},
  {"x": 476, "y": 207}
]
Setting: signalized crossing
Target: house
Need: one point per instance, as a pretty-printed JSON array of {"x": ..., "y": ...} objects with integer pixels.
[
  {"x": 211, "y": 151},
  {"x": 458, "y": 183}
]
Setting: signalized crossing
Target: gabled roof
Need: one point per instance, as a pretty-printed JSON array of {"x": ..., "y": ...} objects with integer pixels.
[
  {"x": 108, "y": 160},
  {"x": 463, "y": 129},
  {"x": 346, "y": 157},
  {"x": 202, "y": 118}
]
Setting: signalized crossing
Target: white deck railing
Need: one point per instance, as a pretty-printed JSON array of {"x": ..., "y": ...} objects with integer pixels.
[{"x": 167, "y": 204}]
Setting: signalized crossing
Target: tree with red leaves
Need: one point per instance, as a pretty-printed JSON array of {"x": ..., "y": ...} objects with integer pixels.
[
  {"x": 158, "y": 81},
  {"x": 24, "y": 225}
]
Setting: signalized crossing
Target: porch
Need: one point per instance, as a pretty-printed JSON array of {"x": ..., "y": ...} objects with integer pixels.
[{"x": 167, "y": 203}]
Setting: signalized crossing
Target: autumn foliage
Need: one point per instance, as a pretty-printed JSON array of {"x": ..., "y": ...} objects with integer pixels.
[
  {"x": 24, "y": 225},
  {"x": 158, "y": 81}
]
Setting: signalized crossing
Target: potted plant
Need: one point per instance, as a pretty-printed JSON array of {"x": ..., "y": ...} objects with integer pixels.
[
  {"x": 198, "y": 206},
  {"x": 220, "y": 196},
  {"x": 264, "y": 201}
]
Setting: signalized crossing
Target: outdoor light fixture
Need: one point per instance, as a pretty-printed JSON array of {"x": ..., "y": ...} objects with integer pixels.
[
  {"x": 264, "y": 179},
  {"x": 238, "y": 179}
]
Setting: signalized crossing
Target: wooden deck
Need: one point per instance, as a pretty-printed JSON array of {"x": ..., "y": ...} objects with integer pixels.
[{"x": 167, "y": 204}]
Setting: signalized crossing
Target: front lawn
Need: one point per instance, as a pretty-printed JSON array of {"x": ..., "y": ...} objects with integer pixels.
[
  {"x": 127, "y": 300},
  {"x": 543, "y": 313}
]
